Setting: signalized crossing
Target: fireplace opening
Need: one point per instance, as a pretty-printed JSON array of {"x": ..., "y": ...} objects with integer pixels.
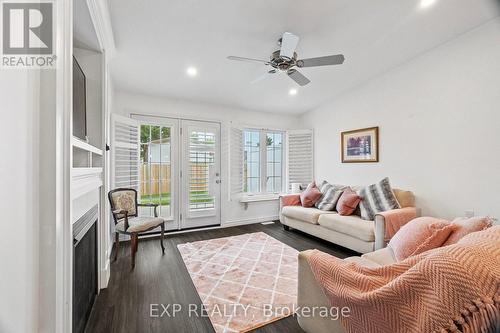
[{"x": 84, "y": 268}]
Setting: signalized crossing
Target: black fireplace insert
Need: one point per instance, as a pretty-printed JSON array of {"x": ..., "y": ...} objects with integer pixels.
[{"x": 84, "y": 268}]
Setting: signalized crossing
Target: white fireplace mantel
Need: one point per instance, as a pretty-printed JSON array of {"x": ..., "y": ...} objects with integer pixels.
[{"x": 85, "y": 180}]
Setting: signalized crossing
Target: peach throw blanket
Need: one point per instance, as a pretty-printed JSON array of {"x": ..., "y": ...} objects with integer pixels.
[
  {"x": 395, "y": 219},
  {"x": 454, "y": 288}
]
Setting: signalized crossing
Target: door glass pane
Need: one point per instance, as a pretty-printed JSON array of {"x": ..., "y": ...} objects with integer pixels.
[
  {"x": 155, "y": 134},
  {"x": 201, "y": 167},
  {"x": 251, "y": 165},
  {"x": 155, "y": 168},
  {"x": 145, "y": 134},
  {"x": 274, "y": 151}
]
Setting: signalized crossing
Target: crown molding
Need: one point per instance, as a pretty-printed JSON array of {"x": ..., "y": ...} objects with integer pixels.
[{"x": 99, "y": 13}]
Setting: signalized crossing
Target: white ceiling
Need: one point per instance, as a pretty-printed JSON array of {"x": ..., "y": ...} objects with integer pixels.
[{"x": 157, "y": 40}]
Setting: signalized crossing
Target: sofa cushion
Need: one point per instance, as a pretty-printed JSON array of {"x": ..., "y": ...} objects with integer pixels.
[
  {"x": 405, "y": 198},
  {"x": 330, "y": 196},
  {"x": 310, "y": 195},
  {"x": 382, "y": 257},
  {"x": 464, "y": 226},
  {"x": 377, "y": 198},
  {"x": 304, "y": 214},
  {"x": 349, "y": 225},
  {"x": 420, "y": 235},
  {"x": 290, "y": 200},
  {"x": 363, "y": 262},
  {"x": 348, "y": 202}
]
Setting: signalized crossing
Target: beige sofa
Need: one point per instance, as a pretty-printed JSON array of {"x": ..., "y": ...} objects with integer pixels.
[
  {"x": 351, "y": 232},
  {"x": 311, "y": 295}
]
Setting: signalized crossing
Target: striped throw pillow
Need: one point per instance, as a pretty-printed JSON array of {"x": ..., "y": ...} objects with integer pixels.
[
  {"x": 331, "y": 194},
  {"x": 377, "y": 198}
]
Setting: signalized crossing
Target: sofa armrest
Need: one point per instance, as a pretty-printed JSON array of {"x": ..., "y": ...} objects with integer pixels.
[
  {"x": 389, "y": 222},
  {"x": 288, "y": 200},
  {"x": 310, "y": 294}
]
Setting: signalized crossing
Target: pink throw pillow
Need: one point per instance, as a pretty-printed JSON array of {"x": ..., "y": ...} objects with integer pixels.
[
  {"x": 465, "y": 226},
  {"x": 348, "y": 202},
  {"x": 419, "y": 235},
  {"x": 290, "y": 200},
  {"x": 310, "y": 195}
]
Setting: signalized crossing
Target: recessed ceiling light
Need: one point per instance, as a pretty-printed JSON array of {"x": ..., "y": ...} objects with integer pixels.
[
  {"x": 192, "y": 71},
  {"x": 426, "y": 3},
  {"x": 292, "y": 92}
]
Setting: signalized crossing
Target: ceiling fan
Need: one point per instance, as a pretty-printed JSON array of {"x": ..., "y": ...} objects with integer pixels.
[{"x": 285, "y": 60}]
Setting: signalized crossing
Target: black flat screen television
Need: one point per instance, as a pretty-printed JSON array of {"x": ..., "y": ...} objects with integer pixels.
[{"x": 79, "y": 102}]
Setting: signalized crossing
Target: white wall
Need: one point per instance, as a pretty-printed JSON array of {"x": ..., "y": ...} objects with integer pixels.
[
  {"x": 19, "y": 201},
  {"x": 439, "y": 119},
  {"x": 127, "y": 103},
  {"x": 233, "y": 212}
]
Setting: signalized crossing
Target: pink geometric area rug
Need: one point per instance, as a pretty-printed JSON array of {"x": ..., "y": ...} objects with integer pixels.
[{"x": 244, "y": 281}]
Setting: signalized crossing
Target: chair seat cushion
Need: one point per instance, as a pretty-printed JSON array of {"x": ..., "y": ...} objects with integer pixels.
[
  {"x": 304, "y": 214},
  {"x": 139, "y": 224},
  {"x": 350, "y": 225}
]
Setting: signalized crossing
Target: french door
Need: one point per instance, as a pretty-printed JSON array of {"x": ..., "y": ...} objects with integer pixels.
[
  {"x": 158, "y": 168},
  {"x": 200, "y": 174},
  {"x": 179, "y": 170}
]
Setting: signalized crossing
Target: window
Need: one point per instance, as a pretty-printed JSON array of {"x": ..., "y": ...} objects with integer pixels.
[
  {"x": 262, "y": 167},
  {"x": 251, "y": 165},
  {"x": 274, "y": 148}
]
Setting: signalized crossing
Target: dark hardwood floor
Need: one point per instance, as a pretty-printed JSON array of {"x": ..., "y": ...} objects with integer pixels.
[{"x": 125, "y": 305}]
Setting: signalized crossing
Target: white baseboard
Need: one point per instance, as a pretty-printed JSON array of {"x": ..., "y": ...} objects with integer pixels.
[
  {"x": 234, "y": 223},
  {"x": 105, "y": 275},
  {"x": 106, "y": 272}
]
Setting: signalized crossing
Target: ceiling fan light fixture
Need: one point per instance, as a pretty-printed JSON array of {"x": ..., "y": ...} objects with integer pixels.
[
  {"x": 424, "y": 4},
  {"x": 285, "y": 60},
  {"x": 292, "y": 92},
  {"x": 192, "y": 71}
]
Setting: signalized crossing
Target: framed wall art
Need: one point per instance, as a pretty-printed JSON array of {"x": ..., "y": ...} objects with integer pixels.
[{"x": 360, "y": 146}]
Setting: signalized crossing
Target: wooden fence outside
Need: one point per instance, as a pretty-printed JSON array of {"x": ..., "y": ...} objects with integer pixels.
[{"x": 155, "y": 178}]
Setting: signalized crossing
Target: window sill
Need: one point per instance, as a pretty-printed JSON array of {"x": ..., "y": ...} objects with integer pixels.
[{"x": 247, "y": 198}]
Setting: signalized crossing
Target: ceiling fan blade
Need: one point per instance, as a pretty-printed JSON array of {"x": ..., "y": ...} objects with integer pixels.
[
  {"x": 248, "y": 60},
  {"x": 264, "y": 76},
  {"x": 289, "y": 43},
  {"x": 298, "y": 77},
  {"x": 322, "y": 61}
]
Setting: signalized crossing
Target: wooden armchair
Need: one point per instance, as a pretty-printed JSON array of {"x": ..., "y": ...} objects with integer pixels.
[{"x": 124, "y": 207}]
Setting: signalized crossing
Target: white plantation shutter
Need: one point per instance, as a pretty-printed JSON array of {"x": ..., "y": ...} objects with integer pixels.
[
  {"x": 300, "y": 168},
  {"x": 235, "y": 161},
  {"x": 124, "y": 152}
]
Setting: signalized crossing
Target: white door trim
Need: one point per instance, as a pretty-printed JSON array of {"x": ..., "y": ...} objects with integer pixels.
[{"x": 63, "y": 225}]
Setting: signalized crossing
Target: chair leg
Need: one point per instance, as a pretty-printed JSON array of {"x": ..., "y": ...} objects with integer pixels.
[
  {"x": 133, "y": 247},
  {"x": 117, "y": 245},
  {"x": 162, "y": 236}
]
